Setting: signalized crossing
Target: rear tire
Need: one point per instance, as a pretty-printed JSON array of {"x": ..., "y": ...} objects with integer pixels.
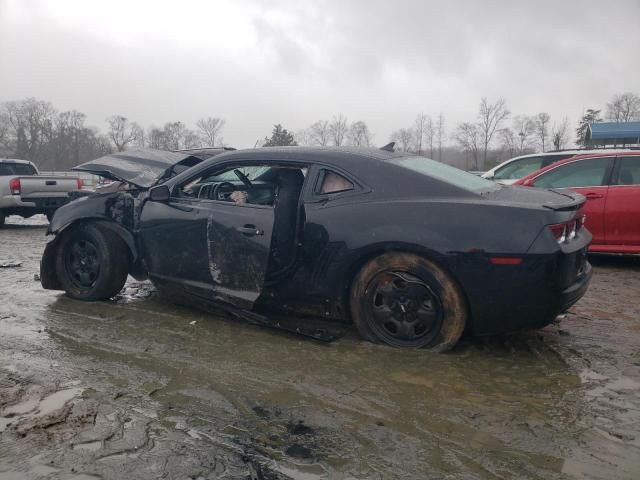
[
  {"x": 92, "y": 263},
  {"x": 405, "y": 300}
]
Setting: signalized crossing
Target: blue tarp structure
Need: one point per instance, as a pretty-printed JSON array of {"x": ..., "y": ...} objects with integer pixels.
[{"x": 613, "y": 133}]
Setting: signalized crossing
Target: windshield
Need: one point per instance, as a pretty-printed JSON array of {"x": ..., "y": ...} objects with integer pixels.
[
  {"x": 518, "y": 168},
  {"x": 17, "y": 169},
  {"x": 447, "y": 173}
]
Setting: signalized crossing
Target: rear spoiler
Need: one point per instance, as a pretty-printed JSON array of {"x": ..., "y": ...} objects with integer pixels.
[
  {"x": 389, "y": 147},
  {"x": 577, "y": 201}
]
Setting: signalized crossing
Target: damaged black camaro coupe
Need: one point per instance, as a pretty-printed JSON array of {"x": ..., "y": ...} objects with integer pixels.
[{"x": 413, "y": 251}]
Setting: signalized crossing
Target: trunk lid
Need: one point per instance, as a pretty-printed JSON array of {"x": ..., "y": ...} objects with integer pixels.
[
  {"x": 142, "y": 168},
  {"x": 547, "y": 198}
]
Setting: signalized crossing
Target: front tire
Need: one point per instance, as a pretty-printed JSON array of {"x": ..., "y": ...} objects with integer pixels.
[
  {"x": 404, "y": 300},
  {"x": 92, "y": 263}
]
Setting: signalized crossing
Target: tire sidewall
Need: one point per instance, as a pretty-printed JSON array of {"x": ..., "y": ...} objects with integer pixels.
[
  {"x": 112, "y": 258},
  {"x": 454, "y": 310}
]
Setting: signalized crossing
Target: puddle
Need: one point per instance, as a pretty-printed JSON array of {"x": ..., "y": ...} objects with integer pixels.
[
  {"x": 13, "y": 476},
  {"x": 303, "y": 472},
  {"x": 56, "y": 401},
  {"x": 88, "y": 446},
  {"x": 22, "y": 408}
]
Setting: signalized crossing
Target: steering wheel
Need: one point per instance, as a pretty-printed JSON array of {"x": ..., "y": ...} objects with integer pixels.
[
  {"x": 244, "y": 179},
  {"x": 222, "y": 191}
]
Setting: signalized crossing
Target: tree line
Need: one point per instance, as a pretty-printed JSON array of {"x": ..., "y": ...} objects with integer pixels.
[{"x": 35, "y": 130}]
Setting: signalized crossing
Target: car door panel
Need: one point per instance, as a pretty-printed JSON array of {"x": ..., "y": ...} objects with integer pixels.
[
  {"x": 593, "y": 209},
  {"x": 215, "y": 250},
  {"x": 238, "y": 239},
  {"x": 173, "y": 241},
  {"x": 622, "y": 211}
]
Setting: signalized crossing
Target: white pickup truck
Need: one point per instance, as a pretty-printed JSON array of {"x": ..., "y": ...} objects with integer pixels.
[{"x": 24, "y": 192}]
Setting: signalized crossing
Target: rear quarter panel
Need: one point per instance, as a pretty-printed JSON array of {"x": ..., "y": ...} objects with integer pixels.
[{"x": 340, "y": 237}]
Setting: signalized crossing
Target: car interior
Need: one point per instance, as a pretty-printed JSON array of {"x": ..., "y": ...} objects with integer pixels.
[{"x": 275, "y": 186}]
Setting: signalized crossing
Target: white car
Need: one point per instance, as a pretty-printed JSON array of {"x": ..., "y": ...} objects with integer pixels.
[{"x": 509, "y": 171}]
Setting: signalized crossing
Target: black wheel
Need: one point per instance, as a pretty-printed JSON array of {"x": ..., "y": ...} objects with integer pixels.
[
  {"x": 2, "y": 217},
  {"x": 92, "y": 263},
  {"x": 404, "y": 300}
]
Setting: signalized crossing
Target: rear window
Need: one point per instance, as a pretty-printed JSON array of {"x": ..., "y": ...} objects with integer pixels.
[
  {"x": 17, "y": 169},
  {"x": 446, "y": 173}
]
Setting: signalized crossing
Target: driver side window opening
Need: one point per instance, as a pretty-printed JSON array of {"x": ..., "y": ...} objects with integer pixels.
[{"x": 242, "y": 185}]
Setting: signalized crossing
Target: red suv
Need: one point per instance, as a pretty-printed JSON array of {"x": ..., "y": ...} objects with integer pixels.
[{"x": 611, "y": 184}]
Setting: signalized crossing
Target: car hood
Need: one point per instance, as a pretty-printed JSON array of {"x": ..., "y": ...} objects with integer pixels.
[
  {"x": 547, "y": 198},
  {"x": 142, "y": 168}
]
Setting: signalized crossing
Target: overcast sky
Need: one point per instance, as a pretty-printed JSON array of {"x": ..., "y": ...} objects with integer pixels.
[{"x": 256, "y": 63}]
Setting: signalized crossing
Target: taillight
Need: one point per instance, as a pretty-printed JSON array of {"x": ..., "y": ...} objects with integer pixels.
[
  {"x": 559, "y": 231},
  {"x": 563, "y": 232},
  {"x": 79, "y": 183},
  {"x": 14, "y": 186}
]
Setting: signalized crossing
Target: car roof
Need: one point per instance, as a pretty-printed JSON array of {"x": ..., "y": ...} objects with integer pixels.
[
  {"x": 576, "y": 151},
  {"x": 15, "y": 160},
  {"x": 584, "y": 156},
  {"x": 337, "y": 156}
]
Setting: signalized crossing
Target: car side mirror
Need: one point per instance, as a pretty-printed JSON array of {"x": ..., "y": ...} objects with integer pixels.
[
  {"x": 489, "y": 176},
  {"x": 159, "y": 193},
  {"x": 528, "y": 182}
]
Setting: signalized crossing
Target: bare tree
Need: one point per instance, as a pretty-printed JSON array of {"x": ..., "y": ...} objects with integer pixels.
[
  {"x": 509, "y": 142},
  {"x": 525, "y": 130},
  {"x": 420, "y": 127},
  {"x": 338, "y": 129},
  {"x": 542, "y": 128},
  {"x": 303, "y": 137},
  {"x": 560, "y": 134},
  {"x": 209, "y": 129},
  {"x": 29, "y": 120},
  {"x": 491, "y": 116},
  {"x": 440, "y": 134},
  {"x": 174, "y": 133},
  {"x": 156, "y": 138},
  {"x": 624, "y": 108},
  {"x": 191, "y": 139},
  {"x": 359, "y": 134},
  {"x": 404, "y": 139},
  {"x": 5, "y": 135},
  {"x": 430, "y": 135},
  {"x": 320, "y": 133},
  {"x": 121, "y": 131},
  {"x": 468, "y": 137}
]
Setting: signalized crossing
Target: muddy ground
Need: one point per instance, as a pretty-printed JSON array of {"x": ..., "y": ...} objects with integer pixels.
[{"x": 136, "y": 388}]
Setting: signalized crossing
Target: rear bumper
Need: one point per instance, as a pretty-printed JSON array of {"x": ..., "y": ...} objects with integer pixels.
[
  {"x": 505, "y": 298},
  {"x": 39, "y": 204},
  {"x": 575, "y": 292}
]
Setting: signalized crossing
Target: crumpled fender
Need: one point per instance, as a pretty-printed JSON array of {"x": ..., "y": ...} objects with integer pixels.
[{"x": 114, "y": 211}]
